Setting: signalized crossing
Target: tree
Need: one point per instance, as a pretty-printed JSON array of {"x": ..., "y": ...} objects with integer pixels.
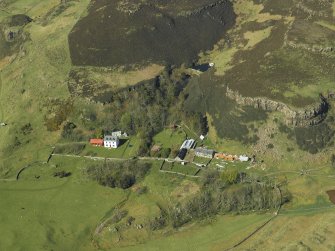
[
  {"x": 126, "y": 123},
  {"x": 333, "y": 160},
  {"x": 68, "y": 130},
  {"x": 203, "y": 124}
]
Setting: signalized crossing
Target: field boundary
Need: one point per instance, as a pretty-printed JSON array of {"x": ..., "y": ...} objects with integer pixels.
[{"x": 182, "y": 174}]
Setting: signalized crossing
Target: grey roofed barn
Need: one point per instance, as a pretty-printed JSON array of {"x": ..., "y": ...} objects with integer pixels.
[{"x": 204, "y": 152}]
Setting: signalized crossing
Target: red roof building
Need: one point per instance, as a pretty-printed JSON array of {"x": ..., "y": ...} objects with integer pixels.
[{"x": 97, "y": 142}]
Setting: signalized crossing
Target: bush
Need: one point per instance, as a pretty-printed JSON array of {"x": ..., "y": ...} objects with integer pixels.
[
  {"x": 157, "y": 223},
  {"x": 270, "y": 146},
  {"x": 26, "y": 129},
  {"x": 62, "y": 174}
]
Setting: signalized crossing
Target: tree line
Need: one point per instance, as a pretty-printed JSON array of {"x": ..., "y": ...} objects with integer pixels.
[{"x": 229, "y": 192}]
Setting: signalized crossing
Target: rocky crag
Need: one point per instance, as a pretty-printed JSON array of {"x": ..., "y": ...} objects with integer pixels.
[{"x": 308, "y": 116}]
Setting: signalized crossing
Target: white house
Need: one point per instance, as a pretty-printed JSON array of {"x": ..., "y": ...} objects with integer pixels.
[{"x": 111, "y": 141}]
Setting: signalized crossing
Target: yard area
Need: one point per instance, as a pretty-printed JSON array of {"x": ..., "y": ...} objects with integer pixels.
[
  {"x": 220, "y": 165},
  {"x": 170, "y": 138},
  {"x": 187, "y": 169},
  {"x": 201, "y": 160},
  {"x": 127, "y": 149}
]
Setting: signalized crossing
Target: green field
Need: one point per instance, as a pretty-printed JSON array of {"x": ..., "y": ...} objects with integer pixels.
[
  {"x": 212, "y": 236},
  {"x": 170, "y": 138},
  {"x": 188, "y": 169},
  {"x": 43, "y": 212},
  {"x": 36, "y": 86},
  {"x": 60, "y": 213}
]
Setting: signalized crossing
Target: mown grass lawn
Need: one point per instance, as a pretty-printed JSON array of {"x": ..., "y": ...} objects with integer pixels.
[{"x": 187, "y": 169}]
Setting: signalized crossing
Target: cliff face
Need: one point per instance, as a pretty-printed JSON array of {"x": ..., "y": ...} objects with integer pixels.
[{"x": 308, "y": 116}]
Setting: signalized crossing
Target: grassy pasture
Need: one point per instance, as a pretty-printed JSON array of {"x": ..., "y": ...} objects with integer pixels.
[
  {"x": 298, "y": 232},
  {"x": 213, "y": 236},
  {"x": 32, "y": 80},
  {"x": 62, "y": 213}
]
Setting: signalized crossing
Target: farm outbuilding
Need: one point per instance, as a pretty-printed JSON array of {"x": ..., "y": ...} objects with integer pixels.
[
  {"x": 182, "y": 154},
  {"x": 117, "y": 134},
  {"x": 97, "y": 142},
  {"x": 243, "y": 158},
  {"x": 203, "y": 152},
  {"x": 188, "y": 144}
]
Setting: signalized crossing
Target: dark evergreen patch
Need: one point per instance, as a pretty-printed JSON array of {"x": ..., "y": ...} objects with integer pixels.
[{"x": 118, "y": 174}]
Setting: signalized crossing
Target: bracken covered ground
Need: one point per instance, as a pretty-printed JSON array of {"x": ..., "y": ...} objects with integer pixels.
[{"x": 137, "y": 32}]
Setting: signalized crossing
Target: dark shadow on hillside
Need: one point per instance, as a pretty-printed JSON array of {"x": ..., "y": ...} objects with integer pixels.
[{"x": 122, "y": 142}]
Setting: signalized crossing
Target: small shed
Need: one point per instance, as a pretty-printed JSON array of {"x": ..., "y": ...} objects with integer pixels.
[
  {"x": 243, "y": 158},
  {"x": 117, "y": 134}
]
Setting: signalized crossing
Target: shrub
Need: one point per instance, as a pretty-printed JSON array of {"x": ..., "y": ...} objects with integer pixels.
[
  {"x": 26, "y": 129},
  {"x": 270, "y": 146},
  {"x": 157, "y": 223},
  {"x": 62, "y": 174}
]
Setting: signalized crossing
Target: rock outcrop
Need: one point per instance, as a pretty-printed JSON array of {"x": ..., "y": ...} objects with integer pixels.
[{"x": 308, "y": 116}]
